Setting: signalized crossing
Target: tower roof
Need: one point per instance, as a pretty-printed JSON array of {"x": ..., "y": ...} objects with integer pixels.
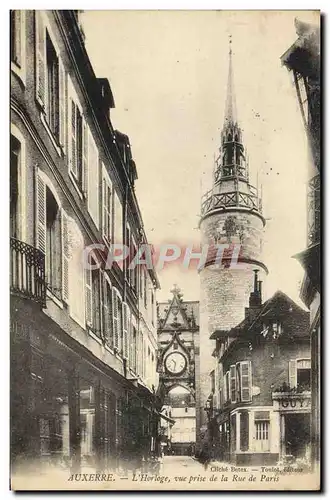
[{"x": 230, "y": 109}]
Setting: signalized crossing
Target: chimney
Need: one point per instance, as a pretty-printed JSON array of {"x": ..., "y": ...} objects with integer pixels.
[
  {"x": 260, "y": 290},
  {"x": 255, "y": 298}
]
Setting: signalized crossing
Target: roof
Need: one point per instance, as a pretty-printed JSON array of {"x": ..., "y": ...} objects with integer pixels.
[
  {"x": 278, "y": 306},
  {"x": 177, "y": 313}
]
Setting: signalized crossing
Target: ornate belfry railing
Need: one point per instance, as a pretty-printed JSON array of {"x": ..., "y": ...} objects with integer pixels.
[
  {"x": 212, "y": 201},
  {"x": 314, "y": 213},
  {"x": 27, "y": 271}
]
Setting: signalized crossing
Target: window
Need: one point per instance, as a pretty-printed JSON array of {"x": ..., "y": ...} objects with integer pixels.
[
  {"x": 76, "y": 269},
  {"x": 262, "y": 435},
  {"x": 93, "y": 299},
  {"x": 126, "y": 329},
  {"x": 246, "y": 381},
  {"x": 53, "y": 244},
  {"x": 118, "y": 215},
  {"x": 76, "y": 159},
  {"x": 233, "y": 383},
  {"x": 50, "y": 82},
  {"x": 16, "y": 34},
  {"x": 117, "y": 319},
  {"x": 52, "y": 110},
  {"x": 276, "y": 328},
  {"x": 107, "y": 313},
  {"x": 107, "y": 207},
  {"x": 227, "y": 387},
  {"x": 300, "y": 374},
  {"x": 133, "y": 349},
  {"x": 15, "y": 149}
]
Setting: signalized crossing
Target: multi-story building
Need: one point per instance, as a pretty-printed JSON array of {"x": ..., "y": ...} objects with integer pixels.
[
  {"x": 260, "y": 407},
  {"x": 302, "y": 59},
  {"x": 178, "y": 348},
  {"x": 231, "y": 215},
  {"x": 83, "y": 338}
]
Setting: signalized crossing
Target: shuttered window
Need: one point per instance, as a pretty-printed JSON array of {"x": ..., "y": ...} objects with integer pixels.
[
  {"x": 40, "y": 213},
  {"x": 133, "y": 347},
  {"x": 76, "y": 275},
  {"x": 117, "y": 319},
  {"x": 107, "y": 312},
  {"x": 106, "y": 206},
  {"x": 40, "y": 51},
  {"x": 17, "y": 36},
  {"x": 63, "y": 98},
  {"x": 246, "y": 381},
  {"x": 65, "y": 257},
  {"x": 233, "y": 383},
  {"x": 93, "y": 180},
  {"x": 118, "y": 219},
  {"x": 292, "y": 373},
  {"x": 126, "y": 330}
]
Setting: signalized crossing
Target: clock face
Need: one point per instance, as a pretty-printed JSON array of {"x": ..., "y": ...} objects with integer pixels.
[{"x": 175, "y": 363}]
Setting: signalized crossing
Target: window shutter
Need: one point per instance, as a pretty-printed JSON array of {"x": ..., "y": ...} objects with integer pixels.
[
  {"x": 118, "y": 232},
  {"x": 40, "y": 51},
  {"x": 40, "y": 213},
  {"x": 115, "y": 317},
  {"x": 65, "y": 257},
  {"x": 225, "y": 388},
  {"x": 125, "y": 330},
  {"x": 246, "y": 382},
  {"x": 85, "y": 157},
  {"x": 104, "y": 207},
  {"x": 63, "y": 105},
  {"x": 76, "y": 275},
  {"x": 73, "y": 167},
  {"x": 293, "y": 373},
  {"x": 88, "y": 289},
  {"x": 233, "y": 383},
  {"x": 107, "y": 312},
  {"x": 93, "y": 180}
]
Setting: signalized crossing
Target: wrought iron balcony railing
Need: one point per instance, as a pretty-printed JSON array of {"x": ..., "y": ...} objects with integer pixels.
[{"x": 27, "y": 271}]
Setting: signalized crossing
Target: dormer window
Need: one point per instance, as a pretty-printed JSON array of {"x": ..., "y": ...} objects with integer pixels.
[{"x": 276, "y": 329}]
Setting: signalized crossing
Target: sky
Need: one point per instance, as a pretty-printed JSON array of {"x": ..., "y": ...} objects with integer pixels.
[{"x": 168, "y": 73}]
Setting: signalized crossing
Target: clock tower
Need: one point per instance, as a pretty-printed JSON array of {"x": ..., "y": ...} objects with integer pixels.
[
  {"x": 231, "y": 214},
  {"x": 178, "y": 333}
]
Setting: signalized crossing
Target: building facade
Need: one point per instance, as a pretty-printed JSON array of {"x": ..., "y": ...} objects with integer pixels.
[
  {"x": 260, "y": 409},
  {"x": 302, "y": 59},
  {"x": 83, "y": 337},
  {"x": 178, "y": 333},
  {"x": 231, "y": 216}
]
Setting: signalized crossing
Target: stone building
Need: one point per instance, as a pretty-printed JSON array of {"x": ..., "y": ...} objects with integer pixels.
[
  {"x": 260, "y": 407},
  {"x": 302, "y": 59},
  {"x": 231, "y": 214},
  {"x": 83, "y": 340},
  {"x": 178, "y": 348}
]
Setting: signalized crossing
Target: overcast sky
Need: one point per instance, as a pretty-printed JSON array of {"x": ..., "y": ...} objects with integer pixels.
[{"x": 168, "y": 73}]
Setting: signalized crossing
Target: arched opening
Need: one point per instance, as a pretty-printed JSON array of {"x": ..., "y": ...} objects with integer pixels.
[{"x": 180, "y": 436}]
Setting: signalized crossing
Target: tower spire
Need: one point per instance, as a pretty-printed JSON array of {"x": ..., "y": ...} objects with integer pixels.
[{"x": 230, "y": 109}]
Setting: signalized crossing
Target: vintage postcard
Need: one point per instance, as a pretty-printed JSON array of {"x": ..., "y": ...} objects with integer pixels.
[{"x": 165, "y": 250}]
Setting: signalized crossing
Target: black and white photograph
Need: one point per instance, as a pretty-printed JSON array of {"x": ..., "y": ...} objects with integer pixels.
[{"x": 164, "y": 262}]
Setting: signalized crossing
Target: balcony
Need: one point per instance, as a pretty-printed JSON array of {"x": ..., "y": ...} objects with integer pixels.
[
  {"x": 27, "y": 272},
  {"x": 211, "y": 201}
]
